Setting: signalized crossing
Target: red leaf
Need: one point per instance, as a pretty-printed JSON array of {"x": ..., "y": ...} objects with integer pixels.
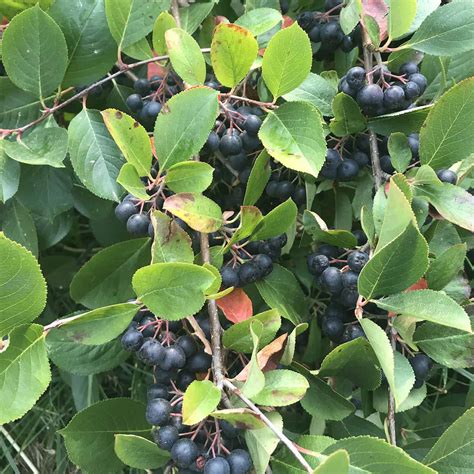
[
  {"x": 154, "y": 69},
  {"x": 287, "y": 21},
  {"x": 421, "y": 284},
  {"x": 377, "y": 9},
  {"x": 236, "y": 306}
]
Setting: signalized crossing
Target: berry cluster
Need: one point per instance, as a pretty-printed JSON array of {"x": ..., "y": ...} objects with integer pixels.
[
  {"x": 389, "y": 92},
  {"x": 281, "y": 187},
  {"x": 177, "y": 361},
  {"x": 323, "y": 28},
  {"x": 132, "y": 212}
]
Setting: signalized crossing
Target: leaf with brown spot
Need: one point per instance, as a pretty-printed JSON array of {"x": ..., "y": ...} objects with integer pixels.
[{"x": 242, "y": 418}]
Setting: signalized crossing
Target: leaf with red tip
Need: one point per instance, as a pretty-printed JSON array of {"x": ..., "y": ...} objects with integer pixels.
[{"x": 236, "y": 306}]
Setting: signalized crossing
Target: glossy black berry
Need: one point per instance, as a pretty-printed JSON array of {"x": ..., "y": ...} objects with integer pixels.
[
  {"x": 264, "y": 263},
  {"x": 299, "y": 196},
  {"x": 217, "y": 465},
  {"x": 252, "y": 124},
  {"x": 335, "y": 310},
  {"x": 132, "y": 340},
  {"x": 164, "y": 376},
  {"x": 331, "y": 279},
  {"x": 165, "y": 437},
  {"x": 315, "y": 34},
  {"x": 248, "y": 273},
  {"x": 408, "y": 69},
  {"x": 188, "y": 344},
  {"x": 414, "y": 144},
  {"x": 239, "y": 162},
  {"x": 355, "y": 77},
  {"x": 138, "y": 224},
  {"x": 158, "y": 411},
  {"x": 352, "y": 331},
  {"x": 142, "y": 86},
  {"x": 346, "y": 88},
  {"x": 349, "y": 279},
  {"x": 360, "y": 236},
  {"x": 332, "y": 34},
  {"x": 306, "y": 20},
  {"x": 420, "y": 80},
  {"x": 394, "y": 98},
  {"x": 357, "y": 260},
  {"x": 239, "y": 461},
  {"x": 230, "y": 144},
  {"x": 250, "y": 142},
  {"x": 151, "y": 352},
  {"x": 447, "y": 176},
  {"x": 348, "y": 44},
  {"x": 125, "y": 210},
  {"x": 421, "y": 365},
  {"x": 317, "y": 263},
  {"x": 200, "y": 362},
  {"x": 412, "y": 90},
  {"x": 386, "y": 164},
  {"x": 284, "y": 190},
  {"x": 348, "y": 297},
  {"x": 151, "y": 110},
  {"x": 184, "y": 380},
  {"x": 370, "y": 99},
  {"x": 333, "y": 328},
  {"x": 347, "y": 170},
  {"x": 329, "y": 169},
  {"x": 363, "y": 143},
  {"x": 158, "y": 390},
  {"x": 147, "y": 326},
  {"x": 184, "y": 452},
  {"x": 174, "y": 358},
  {"x": 213, "y": 141},
  {"x": 134, "y": 102},
  {"x": 229, "y": 430},
  {"x": 329, "y": 250},
  {"x": 230, "y": 277}
]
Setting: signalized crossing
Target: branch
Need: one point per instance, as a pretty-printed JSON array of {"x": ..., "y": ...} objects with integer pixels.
[
  {"x": 48, "y": 112},
  {"x": 392, "y": 430},
  {"x": 288, "y": 443},
  {"x": 175, "y": 12}
]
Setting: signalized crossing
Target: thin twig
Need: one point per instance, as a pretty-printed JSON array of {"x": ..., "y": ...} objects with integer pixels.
[
  {"x": 175, "y": 12},
  {"x": 17, "y": 448},
  {"x": 288, "y": 443}
]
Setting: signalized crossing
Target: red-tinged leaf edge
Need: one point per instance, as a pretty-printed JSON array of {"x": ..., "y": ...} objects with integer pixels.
[{"x": 377, "y": 9}]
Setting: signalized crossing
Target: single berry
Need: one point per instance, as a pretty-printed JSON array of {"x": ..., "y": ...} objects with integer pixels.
[
  {"x": 158, "y": 411},
  {"x": 348, "y": 44},
  {"x": 408, "y": 69},
  {"x": 158, "y": 390},
  {"x": 252, "y": 124},
  {"x": 134, "y": 102},
  {"x": 346, "y": 88},
  {"x": 349, "y": 279},
  {"x": 353, "y": 331},
  {"x": 420, "y": 80},
  {"x": 165, "y": 437},
  {"x": 335, "y": 310},
  {"x": 244, "y": 175},
  {"x": 394, "y": 98},
  {"x": 230, "y": 277},
  {"x": 239, "y": 461},
  {"x": 142, "y": 86},
  {"x": 125, "y": 210},
  {"x": 174, "y": 358},
  {"x": 412, "y": 90},
  {"x": 331, "y": 280},
  {"x": 386, "y": 164},
  {"x": 212, "y": 142},
  {"x": 148, "y": 328},
  {"x": 151, "y": 110},
  {"x": 421, "y": 365},
  {"x": 184, "y": 452},
  {"x": 250, "y": 142},
  {"x": 357, "y": 260},
  {"x": 348, "y": 297},
  {"x": 164, "y": 376},
  {"x": 200, "y": 362},
  {"x": 363, "y": 143},
  {"x": 151, "y": 230},
  {"x": 315, "y": 34},
  {"x": 264, "y": 263},
  {"x": 360, "y": 236},
  {"x": 239, "y": 162},
  {"x": 299, "y": 196},
  {"x": 184, "y": 380},
  {"x": 132, "y": 340},
  {"x": 414, "y": 144},
  {"x": 272, "y": 189},
  {"x": 347, "y": 170},
  {"x": 332, "y": 34},
  {"x": 306, "y": 20},
  {"x": 151, "y": 352},
  {"x": 370, "y": 99},
  {"x": 329, "y": 169},
  {"x": 333, "y": 328},
  {"x": 230, "y": 145},
  {"x": 317, "y": 263},
  {"x": 138, "y": 224},
  {"x": 361, "y": 158},
  {"x": 285, "y": 190},
  {"x": 355, "y": 77},
  {"x": 329, "y": 250},
  {"x": 188, "y": 344},
  {"x": 229, "y": 430},
  {"x": 217, "y": 465},
  {"x": 447, "y": 176},
  {"x": 248, "y": 273}
]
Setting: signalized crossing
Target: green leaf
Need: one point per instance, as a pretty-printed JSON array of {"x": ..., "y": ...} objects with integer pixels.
[
  {"x": 262, "y": 442},
  {"x": 199, "y": 212},
  {"x": 450, "y": 347},
  {"x": 100, "y": 325},
  {"x": 258, "y": 179},
  {"x": 18, "y": 225},
  {"x": 349, "y": 16},
  {"x": 255, "y": 378},
  {"x": 396, "y": 368},
  {"x": 183, "y": 127},
  {"x": 242, "y": 418},
  {"x": 233, "y": 51},
  {"x": 22, "y": 286},
  {"x": 336, "y": 462},
  {"x": 453, "y": 452},
  {"x": 398, "y": 265},
  {"x": 171, "y": 243},
  {"x": 94, "y": 155},
  {"x": 277, "y": 221},
  {"x": 131, "y": 20},
  {"x": 186, "y": 57},
  {"x": 30, "y": 61},
  {"x": 446, "y": 266},
  {"x": 173, "y": 290},
  {"x": 442, "y": 141},
  {"x": 294, "y": 136},
  {"x": 80, "y": 359},
  {"x": 200, "y": 400},
  {"x": 287, "y": 60},
  {"x": 323, "y": 402},
  {"x": 139, "y": 453},
  {"x": 399, "y": 151},
  {"x": 9, "y": 175},
  {"x": 97, "y": 426},
  {"x": 281, "y": 291},
  {"x": 194, "y": 15},
  {"x": 131, "y": 138},
  {"x": 376, "y": 456},
  {"x": 43, "y": 146},
  {"x": 447, "y": 31},
  {"x": 400, "y": 17},
  {"x": 317, "y": 228},
  {"x": 348, "y": 118},
  {"x": 131, "y": 181},
  {"x": 290, "y": 347},
  {"x": 454, "y": 203},
  {"x": 238, "y": 337},
  {"x": 106, "y": 278},
  {"x": 354, "y": 360},
  {"x": 316, "y": 90},
  {"x": 282, "y": 388},
  {"x": 92, "y": 50},
  {"x": 407, "y": 121},
  {"x": 260, "y": 20},
  {"x": 24, "y": 372},
  {"x": 414, "y": 399},
  {"x": 373, "y": 29},
  {"x": 163, "y": 23},
  {"x": 427, "y": 305},
  {"x": 192, "y": 176}
]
